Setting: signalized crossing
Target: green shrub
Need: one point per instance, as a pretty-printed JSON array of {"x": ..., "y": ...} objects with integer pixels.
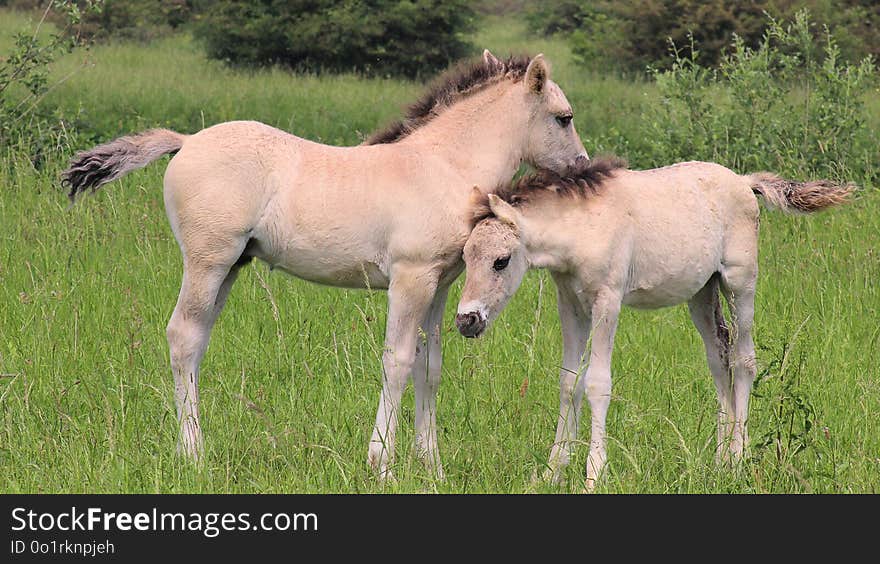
[
  {"x": 854, "y": 24},
  {"x": 103, "y": 20},
  {"x": 500, "y": 7},
  {"x": 399, "y": 37},
  {"x": 634, "y": 34},
  {"x": 25, "y": 124},
  {"x": 562, "y": 16},
  {"x": 789, "y": 105},
  {"x": 138, "y": 20}
]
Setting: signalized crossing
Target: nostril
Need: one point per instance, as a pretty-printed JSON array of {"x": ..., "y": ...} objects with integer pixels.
[
  {"x": 467, "y": 320},
  {"x": 470, "y": 324}
]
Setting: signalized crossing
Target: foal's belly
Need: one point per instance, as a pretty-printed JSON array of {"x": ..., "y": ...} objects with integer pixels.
[
  {"x": 365, "y": 274},
  {"x": 663, "y": 281},
  {"x": 324, "y": 265},
  {"x": 670, "y": 293},
  {"x": 337, "y": 255}
]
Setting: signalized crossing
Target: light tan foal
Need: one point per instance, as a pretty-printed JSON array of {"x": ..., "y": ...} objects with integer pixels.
[
  {"x": 647, "y": 239},
  {"x": 393, "y": 213}
]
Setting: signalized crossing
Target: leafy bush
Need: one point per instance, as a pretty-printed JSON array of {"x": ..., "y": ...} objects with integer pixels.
[
  {"x": 139, "y": 20},
  {"x": 24, "y": 82},
  {"x": 562, "y": 16},
  {"x": 635, "y": 34},
  {"x": 102, "y": 20},
  {"x": 400, "y": 37},
  {"x": 790, "y": 106},
  {"x": 854, "y": 24},
  {"x": 500, "y": 7}
]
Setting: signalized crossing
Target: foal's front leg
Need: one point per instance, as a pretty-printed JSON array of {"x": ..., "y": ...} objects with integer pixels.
[
  {"x": 426, "y": 379},
  {"x": 605, "y": 312},
  {"x": 410, "y": 294},
  {"x": 575, "y": 334}
]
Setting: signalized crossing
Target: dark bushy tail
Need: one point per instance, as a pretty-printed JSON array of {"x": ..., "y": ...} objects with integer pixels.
[
  {"x": 89, "y": 170},
  {"x": 794, "y": 197}
]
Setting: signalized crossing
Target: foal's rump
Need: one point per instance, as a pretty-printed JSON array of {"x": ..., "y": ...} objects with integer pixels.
[
  {"x": 718, "y": 182},
  {"x": 694, "y": 219}
]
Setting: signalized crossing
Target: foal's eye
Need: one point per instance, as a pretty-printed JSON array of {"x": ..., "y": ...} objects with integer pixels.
[
  {"x": 563, "y": 121},
  {"x": 501, "y": 264}
]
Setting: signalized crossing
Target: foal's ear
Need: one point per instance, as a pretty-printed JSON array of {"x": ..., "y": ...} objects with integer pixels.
[
  {"x": 503, "y": 211},
  {"x": 489, "y": 59},
  {"x": 476, "y": 194},
  {"x": 537, "y": 74}
]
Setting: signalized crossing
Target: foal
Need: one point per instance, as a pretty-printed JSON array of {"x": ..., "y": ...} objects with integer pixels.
[
  {"x": 646, "y": 239},
  {"x": 393, "y": 213}
]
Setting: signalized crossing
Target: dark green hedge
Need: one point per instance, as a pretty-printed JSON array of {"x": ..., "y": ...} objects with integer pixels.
[
  {"x": 633, "y": 34},
  {"x": 408, "y": 38}
]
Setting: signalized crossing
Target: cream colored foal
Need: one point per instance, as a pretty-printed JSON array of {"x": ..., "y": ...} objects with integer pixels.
[
  {"x": 647, "y": 239},
  {"x": 393, "y": 213}
]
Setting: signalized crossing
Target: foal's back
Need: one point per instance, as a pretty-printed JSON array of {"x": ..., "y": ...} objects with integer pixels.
[{"x": 668, "y": 230}]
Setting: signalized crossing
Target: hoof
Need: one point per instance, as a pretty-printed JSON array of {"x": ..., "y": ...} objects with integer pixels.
[
  {"x": 589, "y": 486},
  {"x": 547, "y": 476},
  {"x": 191, "y": 453},
  {"x": 386, "y": 478}
]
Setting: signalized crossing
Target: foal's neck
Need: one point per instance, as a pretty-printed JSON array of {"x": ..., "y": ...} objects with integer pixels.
[
  {"x": 482, "y": 136},
  {"x": 548, "y": 234}
]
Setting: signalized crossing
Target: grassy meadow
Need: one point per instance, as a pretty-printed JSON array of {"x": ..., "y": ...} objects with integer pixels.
[{"x": 291, "y": 380}]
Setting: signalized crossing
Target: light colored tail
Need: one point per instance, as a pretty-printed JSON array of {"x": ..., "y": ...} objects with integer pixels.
[
  {"x": 790, "y": 196},
  {"x": 89, "y": 170}
]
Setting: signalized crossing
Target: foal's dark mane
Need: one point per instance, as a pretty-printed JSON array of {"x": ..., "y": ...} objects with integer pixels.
[
  {"x": 582, "y": 181},
  {"x": 456, "y": 83}
]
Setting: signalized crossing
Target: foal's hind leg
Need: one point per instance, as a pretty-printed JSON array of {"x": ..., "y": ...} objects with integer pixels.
[
  {"x": 738, "y": 285},
  {"x": 202, "y": 296},
  {"x": 738, "y": 280},
  {"x": 708, "y": 317}
]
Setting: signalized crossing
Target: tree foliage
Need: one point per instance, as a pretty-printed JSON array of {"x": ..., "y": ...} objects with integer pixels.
[
  {"x": 25, "y": 81},
  {"x": 777, "y": 107},
  {"x": 636, "y": 34},
  {"x": 103, "y": 20},
  {"x": 399, "y": 37},
  {"x": 140, "y": 20}
]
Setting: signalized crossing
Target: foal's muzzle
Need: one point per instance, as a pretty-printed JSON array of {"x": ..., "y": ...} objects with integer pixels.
[
  {"x": 580, "y": 162},
  {"x": 470, "y": 324}
]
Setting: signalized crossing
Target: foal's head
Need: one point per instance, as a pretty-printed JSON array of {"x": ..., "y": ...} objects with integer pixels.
[
  {"x": 497, "y": 252},
  {"x": 496, "y": 262},
  {"x": 552, "y": 142},
  {"x": 533, "y": 115}
]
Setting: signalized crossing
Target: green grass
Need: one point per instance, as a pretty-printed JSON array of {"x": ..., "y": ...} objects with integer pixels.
[{"x": 86, "y": 395}]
